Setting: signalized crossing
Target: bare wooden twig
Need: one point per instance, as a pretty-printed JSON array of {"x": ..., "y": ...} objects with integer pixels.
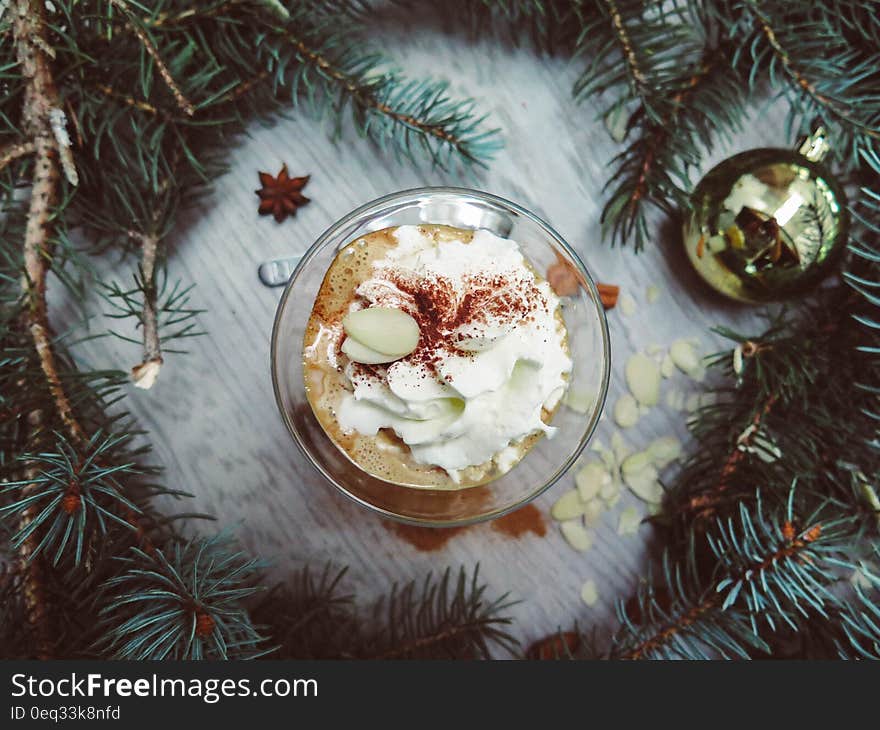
[
  {"x": 40, "y": 98},
  {"x": 40, "y": 107},
  {"x": 144, "y": 374},
  {"x": 185, "y": 105},
  {"x": 12, "y": 152},
  {"x": 626, "y": 47}
]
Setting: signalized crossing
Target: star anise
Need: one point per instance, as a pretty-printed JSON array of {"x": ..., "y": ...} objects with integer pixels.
[{"x": 282, "y": 195}]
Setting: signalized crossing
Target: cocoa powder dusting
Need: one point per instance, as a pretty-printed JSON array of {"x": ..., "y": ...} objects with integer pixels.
[
  {"x": 439, "y": 309},
  {"x": 525, "y": 520},
  {"x": 423, "y": 539}
]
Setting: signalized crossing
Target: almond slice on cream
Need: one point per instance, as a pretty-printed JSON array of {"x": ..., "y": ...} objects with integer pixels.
[
  {"x": 383, "y": 329},
  {"x": 363, "y": 354}
]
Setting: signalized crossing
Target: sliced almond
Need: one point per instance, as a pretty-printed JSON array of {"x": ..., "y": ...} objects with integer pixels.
[
  {"x": 870, "y": 495},
  {"x": 626, "y": 411},
  {"x": 664, "y": 450},
  {"x": 383, "y": 329},
  {"x": 636, "y": 462},
  {"x": 685, "y": 357},
  {"x": 590, "y": 480},
  {"x": 629, "y": 521},
  {"x": 667, "y": 367},
  {"x": 610, "y": 491},
  {"x": 643, "y": 379},
  {"x": 619, "y": 447},
  {"x": 580, "y": 401},
  {"x": 363, "y": 354},
  {"x": 738, "y": 359},
  {"x": 605, "y": 454},
  {"x": 576, "y": 535},
  {"x": 589, "y": 593},
  {"x": 568, "y": 506},
  {"x": 592, "y": 512},
  {"x": 645, "y": 485}
]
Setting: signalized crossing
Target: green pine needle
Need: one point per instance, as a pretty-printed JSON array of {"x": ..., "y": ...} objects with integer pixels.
[{"x": 181, "y": 603}]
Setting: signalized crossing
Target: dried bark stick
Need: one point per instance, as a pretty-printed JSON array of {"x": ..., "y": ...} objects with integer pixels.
[
  {"x": 12, "y": 152},
  {"x": 185, "y": 105},
  {"x": 41, "y": 104},
  {"x": 144, "y": 375}
]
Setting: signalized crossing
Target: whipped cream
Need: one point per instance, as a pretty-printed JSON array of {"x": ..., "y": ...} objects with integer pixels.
[{"x": 492, "y": 352}]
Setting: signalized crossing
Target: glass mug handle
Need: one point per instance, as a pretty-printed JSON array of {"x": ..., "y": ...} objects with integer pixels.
[{"x": 277, "y": 271}]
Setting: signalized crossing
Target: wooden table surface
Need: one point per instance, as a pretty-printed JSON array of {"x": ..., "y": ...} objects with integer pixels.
[{"x": 212, "y": 418}]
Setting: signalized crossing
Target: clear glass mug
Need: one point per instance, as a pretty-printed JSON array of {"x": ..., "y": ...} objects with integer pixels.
[{"x": 547, "y": 461}]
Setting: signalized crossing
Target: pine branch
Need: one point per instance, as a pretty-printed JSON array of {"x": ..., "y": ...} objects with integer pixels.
[
  {"x": 36, "y": 609},
  {"x": 445, "y": 620},
  {"x": 638, "y": 50},
  {"x": 789, "y": 374},
  {"x": 768, "y": 569},
  {"x": 385, "y": 107},
  {"x": 671, "y": 75},
  {"x": 137, "y": 28},
  {"x": 551, "y": 26},
  {"x": 12, "y": 152},
  {"x": 638, "y": 79},
  {"x": 653, "y": 169},
  {"x": 69, "y": 497},
  {"x": 835, "y": 108},
  {"x": 702, "y": 505},
  {"x": 860, "y": 617},
  {"x": 310, "y": 618},
  {"x": 181, "y": 603},
  {"x": 820, "y": 56}
]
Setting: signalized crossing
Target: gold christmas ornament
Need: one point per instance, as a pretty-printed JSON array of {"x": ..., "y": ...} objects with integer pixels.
[{"x": 767, "y": 224}]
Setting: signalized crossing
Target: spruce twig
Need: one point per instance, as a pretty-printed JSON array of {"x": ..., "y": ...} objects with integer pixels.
[
  {"x": 655, "y": 137},
  {"x": 135, "y": 26},
  {"x": 145, "y": 373},
  {"x": 41, "y": 98},
  {"x": 703, "y": 504},
  {"x": 31, "y": 569},
  {"x": 453, "y": 132},
  {"x": 769, "y": 570},
  {"x": 832, "y": 106},
  {"x": 12, "y": 152},
  {"x": 638, "y": 78}
]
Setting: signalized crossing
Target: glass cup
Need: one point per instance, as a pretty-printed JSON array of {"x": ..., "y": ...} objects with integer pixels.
[{"x": 547, "y": 460}]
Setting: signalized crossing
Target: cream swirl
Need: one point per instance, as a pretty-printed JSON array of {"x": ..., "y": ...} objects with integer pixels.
[{"x": 492, "y": 357}]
